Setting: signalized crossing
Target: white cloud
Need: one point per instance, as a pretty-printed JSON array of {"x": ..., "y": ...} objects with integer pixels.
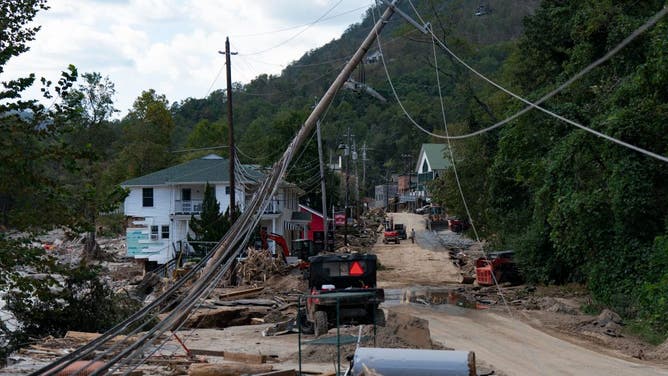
[{"x": 172, "y": 45}]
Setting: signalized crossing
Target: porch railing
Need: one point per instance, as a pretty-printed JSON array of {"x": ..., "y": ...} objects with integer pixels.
[{"x": 188, "y": 206}]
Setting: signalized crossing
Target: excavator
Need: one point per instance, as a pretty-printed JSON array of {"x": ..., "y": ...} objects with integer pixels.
[{"x": 301, "y": 248}]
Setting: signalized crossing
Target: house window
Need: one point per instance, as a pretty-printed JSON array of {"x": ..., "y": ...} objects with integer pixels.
[
  {"x": 425, "y": 166},
  {"x": 185, "y": 194},
  {"x": 227, "y": 190},
  {"x": 165, "y": 231},
  {"x": 147, "y": 197},
  {"x": 154, "y": 232}
]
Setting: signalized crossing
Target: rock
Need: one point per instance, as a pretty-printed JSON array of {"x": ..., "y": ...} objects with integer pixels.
[
  {"x": 607, "y": 316},
  {"x": 612, "y": 329}
]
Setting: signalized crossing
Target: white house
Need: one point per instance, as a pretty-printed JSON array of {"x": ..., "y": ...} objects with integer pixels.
[
  {"x": 431, "y": 163},
  {"x": 160, "y": 204}
]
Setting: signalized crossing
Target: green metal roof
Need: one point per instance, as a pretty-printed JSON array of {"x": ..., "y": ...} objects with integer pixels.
[
  {"x": 212, "y": 169},
  {"x": 436, "y": 156}
]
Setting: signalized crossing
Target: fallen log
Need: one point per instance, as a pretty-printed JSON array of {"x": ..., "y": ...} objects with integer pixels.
[{"x": 228, "y": 369}]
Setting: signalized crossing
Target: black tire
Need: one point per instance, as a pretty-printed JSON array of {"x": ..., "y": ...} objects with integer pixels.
[{"x": 320, "y": 323}]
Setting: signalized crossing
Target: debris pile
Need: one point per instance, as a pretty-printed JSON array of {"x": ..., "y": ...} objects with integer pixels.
[
  {"x": 258, "y": 266},
  {"x": 607, "y": 322},
  {"x": 400, "y": 331},
  {"x": 660, "y": 353}
]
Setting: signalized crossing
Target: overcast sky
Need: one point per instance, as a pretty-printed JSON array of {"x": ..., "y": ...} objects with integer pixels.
[{"x": 172, "y": 45}]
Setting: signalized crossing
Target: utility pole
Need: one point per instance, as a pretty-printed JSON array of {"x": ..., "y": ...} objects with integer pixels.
[
  {"x": 346, "y": 152},
  {"x": 322, "y": 186},
  {"x": 357, "y": 179},
  {"x": 233, "y": 201},
  {"x": 364, "y": 166}
]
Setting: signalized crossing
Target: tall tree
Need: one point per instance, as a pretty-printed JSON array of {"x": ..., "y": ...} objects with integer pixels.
[
  {"x": 211, "y": 225},
  {"x": 90, "y": 141},
  {"x": 146, "y": 138}
]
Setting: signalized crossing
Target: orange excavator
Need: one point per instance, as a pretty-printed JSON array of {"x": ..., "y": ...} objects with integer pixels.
[
  {"x": 278, "y": 239},
  {"x": 302, "y": 248}
]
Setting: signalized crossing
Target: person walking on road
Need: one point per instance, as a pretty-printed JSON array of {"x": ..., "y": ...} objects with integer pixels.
[{"x": 412, "y": 235}]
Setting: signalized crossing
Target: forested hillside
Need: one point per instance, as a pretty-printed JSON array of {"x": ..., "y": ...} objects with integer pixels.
[{"x": 576, "y": 207}]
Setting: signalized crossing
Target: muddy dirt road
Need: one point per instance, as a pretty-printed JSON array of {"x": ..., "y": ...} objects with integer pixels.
[
  {"x": 510, "y": 345},
  {"x": 420, "y": 263}
]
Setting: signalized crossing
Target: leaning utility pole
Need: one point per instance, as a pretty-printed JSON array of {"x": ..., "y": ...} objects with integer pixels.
[
  {"x": 322, "y": 186},
  {"x": 233, "y": 202}
]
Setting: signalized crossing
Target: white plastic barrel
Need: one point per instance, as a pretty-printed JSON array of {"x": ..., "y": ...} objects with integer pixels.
[{"x": 400, "y": 362}]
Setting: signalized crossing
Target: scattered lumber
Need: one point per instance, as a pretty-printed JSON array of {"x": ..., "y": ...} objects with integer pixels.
[
  {"x": 244, "y": 357},
  {"x": 233, "y": 356},
  {"x": 258, "y": 266},
  {"x": 283, "y": 372},
  {"x": 222, "y": 317},
  {"x": 228, "y": 369},
  {"x": 248, "y": 302},
  {"x": 233, "y": 294}
]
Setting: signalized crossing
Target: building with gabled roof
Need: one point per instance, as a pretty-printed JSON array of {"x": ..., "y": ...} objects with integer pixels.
[
  {"x": 431, "y": 163},
  {"x": 162, "y": 203}
]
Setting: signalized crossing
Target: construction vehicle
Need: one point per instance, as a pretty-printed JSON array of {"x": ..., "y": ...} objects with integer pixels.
[
  {"x": 343, "y": 290},
  {"x": 435, "y": 218},
  {"x": 301, "y": 248},
  {"x": 391, "y": 235},
  {"x": 499, "y": 266},
  {"x": 401, "y": 231}
]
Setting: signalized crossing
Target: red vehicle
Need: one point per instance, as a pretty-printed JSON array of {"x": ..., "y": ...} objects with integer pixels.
[
  {"x": 391, "y": 235},
  {"x": 457, "y": 225},
  {"x": 499, "y": 266}
]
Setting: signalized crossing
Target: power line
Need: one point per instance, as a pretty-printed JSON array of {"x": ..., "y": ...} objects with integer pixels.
[
  {"x": 297, "y": 26},
  {"x": 296, "y": 34},
  {"x": 650, "y": 22},
  {"x": 454, "y": 169}
]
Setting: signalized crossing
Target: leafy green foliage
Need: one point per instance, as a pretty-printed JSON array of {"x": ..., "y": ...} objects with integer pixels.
[
  {"x": 575, "y": 207},
  {"x": 146, "y": 137}
]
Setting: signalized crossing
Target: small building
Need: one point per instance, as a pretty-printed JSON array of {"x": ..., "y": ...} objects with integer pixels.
[
  {"x": 384, "y": 194},
  {"x": 161, "y": 204},
  {"x": 431, "y": 163},
  {"x": 315, "y": 230}
]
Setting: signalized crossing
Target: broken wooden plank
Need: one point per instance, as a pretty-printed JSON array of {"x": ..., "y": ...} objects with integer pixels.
[
  {"x": 228, "y": 369},
  {"x": 246, "y": 302},
  {"x": 244, "y": 357},
  {"x": 206, "y": 352},
  {"x": 222, "y": 317},
  {"x": 232, "y": 294},
  {"x": 232, "y": 356},
  {"x": 283, "y": 372}
]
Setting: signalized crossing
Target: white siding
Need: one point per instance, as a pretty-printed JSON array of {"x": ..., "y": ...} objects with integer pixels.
[
  {"x": 423, "y": 157},
  {"x": 162, "y": 204},
  {"x": 157, "y": 215},
  {"x": 224, "y": 199}
]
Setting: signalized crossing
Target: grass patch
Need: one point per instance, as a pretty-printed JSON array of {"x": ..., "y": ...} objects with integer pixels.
[{"x": 644, "y": 331}]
